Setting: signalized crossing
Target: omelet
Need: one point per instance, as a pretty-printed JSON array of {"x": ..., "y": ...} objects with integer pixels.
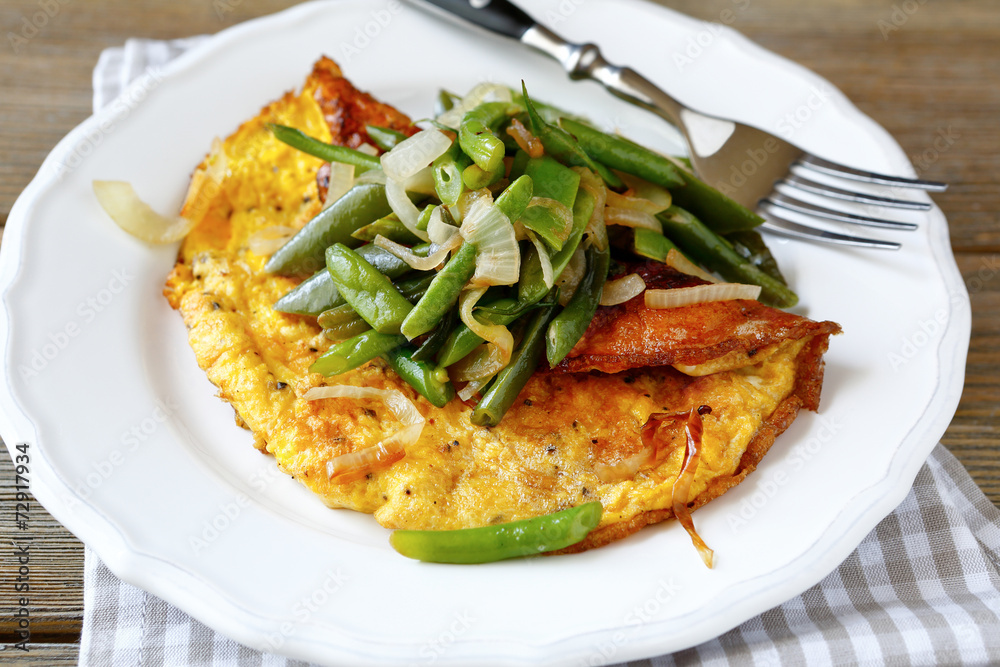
[{"x": 604, "y": 425}]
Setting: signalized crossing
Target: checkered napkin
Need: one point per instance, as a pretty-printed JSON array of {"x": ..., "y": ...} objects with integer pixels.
[{"x": 922, "y": 589}]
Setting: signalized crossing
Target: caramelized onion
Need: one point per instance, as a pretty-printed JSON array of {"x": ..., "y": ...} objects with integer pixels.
[
  {"x": 543, "y": 259},
  {"x": 642, "y": 189},
  {"x": 487, "y": 360},
  {"x": 122, "y": 204},
  {"x": 622, "y": 289},
  {"x": 571, "y": 276},
  {"x": 429, "y": 263},
  {"x": 634, "y": 203},
  {"x": 677, "y": 260},
  {"x": 686, "y": 296},
  {"x": 526, "y": 141},
  {"x": 682, "y": 486},
  {"x": 625, "y": 469},
  {"x": 628, "y": 217},
  {"x": 405, "y": 210}
]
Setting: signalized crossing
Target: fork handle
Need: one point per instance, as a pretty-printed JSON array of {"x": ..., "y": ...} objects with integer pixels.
[{"x": 581, "y": 61}]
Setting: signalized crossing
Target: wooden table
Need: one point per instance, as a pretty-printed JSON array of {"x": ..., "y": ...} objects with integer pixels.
[{"x": 918, "y": 69}]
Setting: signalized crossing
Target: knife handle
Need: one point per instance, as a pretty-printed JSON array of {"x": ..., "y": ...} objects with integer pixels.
[{"x": 499, "y": 16}]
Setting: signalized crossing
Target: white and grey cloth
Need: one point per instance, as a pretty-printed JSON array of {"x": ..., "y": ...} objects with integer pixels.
[{"x": 922, "y": 589}]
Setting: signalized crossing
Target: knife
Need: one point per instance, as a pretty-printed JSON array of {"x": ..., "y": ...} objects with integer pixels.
[{"x": 581, "y": 61}]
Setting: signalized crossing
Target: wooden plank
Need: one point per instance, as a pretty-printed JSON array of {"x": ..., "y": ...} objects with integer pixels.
[{"x": 41, "y": 655}]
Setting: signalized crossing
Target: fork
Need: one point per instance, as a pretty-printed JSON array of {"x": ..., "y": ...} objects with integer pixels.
[{"x": 719, "y": 146}]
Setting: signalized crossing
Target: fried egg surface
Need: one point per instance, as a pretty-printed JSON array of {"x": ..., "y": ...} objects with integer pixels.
[{"x": 575, "y": 432}]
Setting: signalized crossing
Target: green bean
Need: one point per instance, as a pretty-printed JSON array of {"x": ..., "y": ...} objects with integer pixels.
[
  {"x": 515, "y": 198},
  {"x": 338, "y": 317},
  {"x": 532, "y": 287},
  {"x": 442, "y": 295},
  {"x": 445, "y": 102},
  {"x": 462, "y": 340},
  {"x": 433, "y": 343},
  {"x": 355, "y": 351},
  {"x": 304, "y": 252},
  {"x": 448, "y": 170},
  {"x": 621, "y": 154},
  {"x": 751, "y": 247},
  {"x": 553, "y": 181},
  {"x": 477, "y": 135},
  {"x": 709, "y": 249},
  {"x": 561, "y": 145},
  {"x": 475, "y": 177},
  {"x": 568, "y": 327},
  {"x": 651, "y": 245},
  {"x": 507, "y": 540},
  {"x": 311, "y": 297},
  {"x": 347, "y": 329},
  {"x": 429, "y": 381},
  {"x": 389, "y": 227},
  {"x": 387, "y": 263},
  {"x": 518, "y": 165},
  {"x": 385, "y": 138},
  {"x": 512, "y": 378},
  {"x": 720, "y": 213},
  {"x": 297, "y": 139},
  {"x": 368, "y": 291}
]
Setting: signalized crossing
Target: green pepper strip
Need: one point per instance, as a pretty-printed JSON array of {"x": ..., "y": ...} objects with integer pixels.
[
  {"x": 448, "y": 170},
  {"x": 511, "y": 380},
  {"x": 442, "y": 295},
  {"x": 568, "y": 327},
  {"x": 623, "y": 155},
  {"x": 329, "y": 152},
  {"x": 477, "y": 138},
  {"x": 368, "y": 291},
  {"x": 708, "y": 249},
  {"x": 507, "y": 540},
  {"x": 304, "y": 252},
  {"x": 385, "y": 138},
  {"x": 429, "y": 381},
  {"x": 651, "y": 245},
  {"x": 355, "y": 351},
  {"x": 531, "y": 287},
  {"x": 561, "y": 145}
]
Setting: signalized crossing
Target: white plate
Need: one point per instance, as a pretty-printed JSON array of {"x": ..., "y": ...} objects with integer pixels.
[{"x": 131, "y": 450}]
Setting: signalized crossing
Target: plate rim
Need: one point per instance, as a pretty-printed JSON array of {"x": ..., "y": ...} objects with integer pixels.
[{"x": 152, "y": 574}]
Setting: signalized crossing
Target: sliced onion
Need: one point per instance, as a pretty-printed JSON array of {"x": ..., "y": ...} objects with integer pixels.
[
  {"x": 571, "y": 276},
  {"x": 489, "y": 360},
  {"x": 483, "y": 92},
  {"x": 466, "y": 201},
  {"x": 634, "y": 203},
  {"x": 623, "y": 289},
  {"x": 355, "y": 465},
  {"x": 439, "y": 231},
  {"x": 474, "y": 387},
  {"x": 596, "y": 231},
  {"x": 368, "y": 149},
  {"x": 682, "y": 486},
  {"x": 642, "y": 189},
  {"x": 429, "y": 263},
  {"x": 627, "y": 217},
  {"x": 422, "y": 182},
  {"x": 686, "y": 296},
  {"x": 341, "y": 180},
  {"x": 625, "y": 469},
  {"x": 206, "y": 183},
  {"x": 499, "y": 257},
  {"x": 119, "y": 200},
  {"x": 405, "y": 210},
  {"x": 269, "y": 240},
  {"x": 543, "y": 259},
  {"x": 371, "y": 176},
  {"x": 677, "y": 260},
  {"x": 526, "y": 141},
  {"x": 414, "y": 153}
]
